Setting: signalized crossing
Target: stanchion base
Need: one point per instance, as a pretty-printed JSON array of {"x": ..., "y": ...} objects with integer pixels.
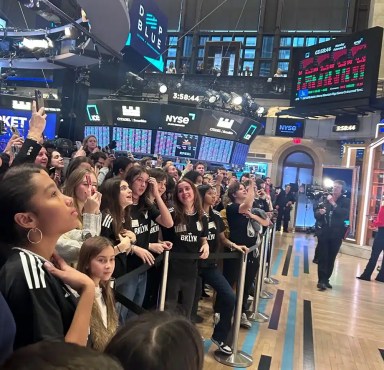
[
  {"x": 272, "y": 281},
  {"x": 239, "y": 359},
  {"x": 259, "y": 317},
  {"x": 266, "y": 295}
]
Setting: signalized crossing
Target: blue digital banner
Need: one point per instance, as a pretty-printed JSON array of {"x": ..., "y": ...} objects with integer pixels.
[{"x": 148, "y": 31}]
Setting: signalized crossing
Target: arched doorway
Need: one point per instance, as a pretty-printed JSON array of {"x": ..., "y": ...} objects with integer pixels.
[{"x": 298, "y": 168}]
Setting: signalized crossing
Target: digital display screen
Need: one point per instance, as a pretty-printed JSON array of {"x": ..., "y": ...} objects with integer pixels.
[
  {"x": 220, "y": 124},
  {"x": 175, "y": 144},
  {"x": 148, "y": 31},
  {"x": 239, "y": 155},
  {"x": 215, "y": 150},
  {"x": 99, "y": 112},
  {"x": 179, "y": 118},
  {"x": 133, "y": 140},
  {"x": 289, "y": 127},
  {"x": 340, "y": 69},
  {"x": 102, "y": 134},
  {"x": 136, "y": 114},
  {"x": 20, "y": 120},
  {"x": 249, "y": 130}
]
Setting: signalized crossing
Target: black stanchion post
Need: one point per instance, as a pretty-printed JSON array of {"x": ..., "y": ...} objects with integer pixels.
[
  {"x": 164, "y": 280},
  {"x": 238, "y": 358},
  {"x": 256, "y": 315},
  {"x": 268, "y": 279},
  {"x": 263, "y": 259}
]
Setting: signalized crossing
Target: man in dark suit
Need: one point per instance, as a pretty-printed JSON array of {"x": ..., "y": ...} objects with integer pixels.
[
  {"x": 283, "y": 204},
  {"x": 331, "y": 217}
]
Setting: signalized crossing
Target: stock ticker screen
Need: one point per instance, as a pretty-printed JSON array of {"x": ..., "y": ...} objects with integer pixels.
[
  {"x": 215, "y": 150},
  {"x": 133, "y": 140},
  {"x": 102, "y": 134},
  {"x": 239, "y": 155},
  {"x": 175, "y": 144},
  {"x": 340, "y": 69}
]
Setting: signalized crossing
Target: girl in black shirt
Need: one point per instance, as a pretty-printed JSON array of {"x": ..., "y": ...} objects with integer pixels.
[
  {"x": 33, "y": 281},
  {"x": 188, "y": 235}
]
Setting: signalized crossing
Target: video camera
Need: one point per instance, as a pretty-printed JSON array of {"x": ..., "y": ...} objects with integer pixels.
[{"x": 316, "y": 192}]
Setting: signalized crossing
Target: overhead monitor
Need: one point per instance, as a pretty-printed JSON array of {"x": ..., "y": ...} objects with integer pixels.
[
  {"x": 341, "y": 69},
  {"x": 240, "y": 153},
  {"x": 102, "y": 133},
  {"x": 215, "y": 150},
  {"x": 289, "y": 127},
  {"x": 175, "y": 144},
  {"x": 20, "y": 120},
  {"x": 133, "y": 140}
]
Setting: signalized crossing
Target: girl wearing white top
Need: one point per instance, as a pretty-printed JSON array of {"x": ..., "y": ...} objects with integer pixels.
[{"x": 97, "y": 260}]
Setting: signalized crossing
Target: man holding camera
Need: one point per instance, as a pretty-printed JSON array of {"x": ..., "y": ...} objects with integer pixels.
[{"x": 331, "y": 216}]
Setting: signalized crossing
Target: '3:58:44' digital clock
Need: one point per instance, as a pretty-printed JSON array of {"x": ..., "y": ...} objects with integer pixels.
[{"x": 189, "y": 99}]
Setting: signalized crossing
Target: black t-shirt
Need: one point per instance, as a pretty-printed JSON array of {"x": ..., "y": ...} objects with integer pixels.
[
  {"x": 42, "y": 306},
  {"x": 238, "y": 226},
  {"x": 141, "y": 222},
  {"x": 186, "y": 238},
  {"x": 215, "y": 227}
]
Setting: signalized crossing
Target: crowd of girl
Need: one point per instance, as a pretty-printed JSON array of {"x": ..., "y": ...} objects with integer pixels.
[{"x": 65, "y": 234}]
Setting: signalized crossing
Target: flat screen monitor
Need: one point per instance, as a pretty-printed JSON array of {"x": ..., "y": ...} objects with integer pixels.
[
  {"x": 20, "y": 120},
  {"x": 215, "y": 150},
  {"x": 289, "y": 127},
  {"x": 133, "y": 140},
  {"x": 176, "y": 144},
  {"x": 337, "y": 70},
  {"x": 102, "y": 134},
  {"x": 240, "y": 153}
]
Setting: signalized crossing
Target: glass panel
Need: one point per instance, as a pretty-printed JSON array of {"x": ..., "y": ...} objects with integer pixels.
[
  {"x": 305, "y": 217},
  {"x": 250, "y": 41},
  {"x": 215, "y": 38},
  {"x": 265, "y": 69},
  {"x": 249, "y": 53},
  {"x": 267, "y": 48},
  {"x": 172, "y": 52},
  {"x": 187, "y": 51},
  {"x": 283, "y": 66},
  {"x": 289, "y": 175},
  {"x": 203, "y": 40},
  {"x": 323, "y": 39},
  {"x": 284, "y": 53},
  {"x": 200, "y": 53},
  {"x": 239, "y": 39},
  {"x": 285, "y": 41},
  {"x": 248, "y": 64},
  {"x": 311, "y": 41},
  {"x": 227, "y": 38},
  {"x": 298, "y": 41},
  {"x": 173, "y": 40},
  {"x": 299, "y": 158},
  {"x": 171, "y": 61}
]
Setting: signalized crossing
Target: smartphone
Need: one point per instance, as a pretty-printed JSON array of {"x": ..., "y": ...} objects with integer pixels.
[
  {"x": 39, "y": 99},
  {"x": 15, "y": 131},
  {"x": 51, "y": 171},
  {"x": 78, "y": 145}
]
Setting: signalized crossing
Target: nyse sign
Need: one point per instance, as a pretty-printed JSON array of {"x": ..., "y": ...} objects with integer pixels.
[{"x": 346, "y": 128}]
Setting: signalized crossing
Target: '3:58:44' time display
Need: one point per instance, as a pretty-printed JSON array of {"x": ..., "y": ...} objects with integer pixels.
[{"x": 176, "y": 97}]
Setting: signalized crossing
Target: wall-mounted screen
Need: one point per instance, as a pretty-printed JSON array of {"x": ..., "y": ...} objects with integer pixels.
[
  {"x": 215, "y": 150},
  {"x": 133, "y": 140},
  {"x": 20, "y": 120},
  {"x": 289, "y": 127},
  {"x": 102, "y": 134},
  {"x": 340, "y": 69},
  {"x": 175, "y": 144},
  {"x": 239, "y": 155}
]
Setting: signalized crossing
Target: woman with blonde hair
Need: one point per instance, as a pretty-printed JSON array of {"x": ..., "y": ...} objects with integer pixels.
[{"x": 81, "y": 186}]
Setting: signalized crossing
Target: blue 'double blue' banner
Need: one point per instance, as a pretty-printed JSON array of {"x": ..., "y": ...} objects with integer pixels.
[{"x": 148, "y": 31}]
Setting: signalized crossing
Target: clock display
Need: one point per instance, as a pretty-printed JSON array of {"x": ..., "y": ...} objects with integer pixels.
[{"x": 183, "y": 98}]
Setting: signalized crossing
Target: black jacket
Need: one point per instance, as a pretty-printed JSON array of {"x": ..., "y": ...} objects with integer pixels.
[{"x": 333, "y": 221}]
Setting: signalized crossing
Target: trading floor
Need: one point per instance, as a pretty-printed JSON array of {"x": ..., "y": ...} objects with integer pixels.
[{"x": 338, "y": 329}]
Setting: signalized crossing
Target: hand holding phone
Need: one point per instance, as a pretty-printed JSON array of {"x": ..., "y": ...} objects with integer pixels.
[{"x": 39, "y": 100}]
